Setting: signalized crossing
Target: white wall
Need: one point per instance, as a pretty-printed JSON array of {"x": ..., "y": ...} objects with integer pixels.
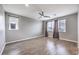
[{"x": 2, "y": 29}]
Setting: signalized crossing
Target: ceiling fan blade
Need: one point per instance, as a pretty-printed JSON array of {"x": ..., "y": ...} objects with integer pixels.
[
  {"x": 47, "y": 16},
  {"x": 42, "y": 13}
]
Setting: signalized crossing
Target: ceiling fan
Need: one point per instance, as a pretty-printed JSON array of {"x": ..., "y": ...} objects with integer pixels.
[{"x": 42, "y": 14}]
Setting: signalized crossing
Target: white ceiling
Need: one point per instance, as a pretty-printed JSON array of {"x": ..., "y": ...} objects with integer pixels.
[{"x": 33, "y": 9}]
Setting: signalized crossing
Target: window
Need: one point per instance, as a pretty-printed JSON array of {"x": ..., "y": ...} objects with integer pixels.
[
  {"x": 50, "y": 26},
  {"x": 62, "y": 25},
  {"x": 1, "y": 23},
  {"x": 13, "y": 23}
]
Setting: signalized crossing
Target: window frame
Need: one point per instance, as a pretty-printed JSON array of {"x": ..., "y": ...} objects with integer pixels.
[
  {"x": 52, "y": 23},
  {"x": 63, "y": 21},
  {"x": 16, "y": 19},
  {"x": 59, "y": 21}
]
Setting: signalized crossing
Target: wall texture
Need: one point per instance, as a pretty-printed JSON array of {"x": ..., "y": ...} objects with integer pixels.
[
  {"x": 2, "y": 29},
  {"x": 27, "y": 28}
]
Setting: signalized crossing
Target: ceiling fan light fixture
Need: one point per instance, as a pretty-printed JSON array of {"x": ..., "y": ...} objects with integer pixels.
[{"x": 27, "y": 5}]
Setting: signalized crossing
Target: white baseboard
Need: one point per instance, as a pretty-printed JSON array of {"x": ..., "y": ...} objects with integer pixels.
[
  {"x": 23, "y": 39},
  {"x": 68, "y": 40},
  {"x": 2, "y": 49}
]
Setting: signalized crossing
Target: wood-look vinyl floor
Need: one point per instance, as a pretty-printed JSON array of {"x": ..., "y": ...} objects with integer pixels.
[{"x": 41, "y": 46}]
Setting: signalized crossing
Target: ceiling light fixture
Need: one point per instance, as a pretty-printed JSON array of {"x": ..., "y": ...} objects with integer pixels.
[{"x": 27, "y": 5}]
